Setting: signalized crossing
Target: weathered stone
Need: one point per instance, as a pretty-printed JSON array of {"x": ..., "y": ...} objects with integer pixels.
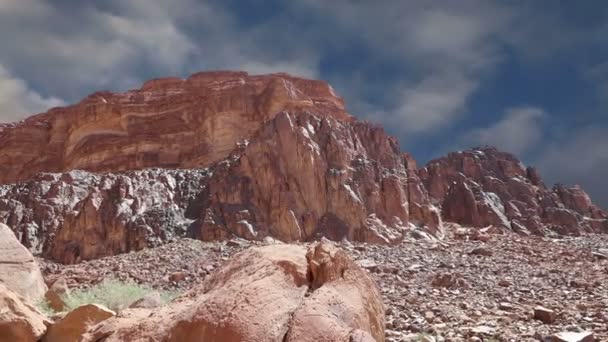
[
  {"x": 56, "y": 294},
  {"x": 190, "y": 123},
  {"x": 484, "y": 187},
  {"x": 74, "y": 324},
  {"x": 272, "y": 293},
  {"x": 19, "y": 320},
  {"x": 449, "y": 280},
  {"x": 149, "y": 301},
  {"x": 544, "y": 315},
  {"x": 569, "y": 336},
  {"x": 18, "y": 269},
  {"x": 283, "y": 160},
  {"x": 481, "y": 251}
]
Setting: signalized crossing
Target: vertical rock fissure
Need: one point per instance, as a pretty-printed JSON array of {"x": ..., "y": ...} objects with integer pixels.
[{"x": 310, "y": 277}]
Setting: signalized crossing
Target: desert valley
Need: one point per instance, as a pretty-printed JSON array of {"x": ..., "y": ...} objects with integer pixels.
[{"x": 238, "y": 207}]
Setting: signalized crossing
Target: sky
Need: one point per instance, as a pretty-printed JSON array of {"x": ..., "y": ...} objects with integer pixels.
[{"x": 529, "y": 77}]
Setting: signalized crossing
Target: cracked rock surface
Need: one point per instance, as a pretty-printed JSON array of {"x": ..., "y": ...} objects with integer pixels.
[{"x": 270, "y": 293}]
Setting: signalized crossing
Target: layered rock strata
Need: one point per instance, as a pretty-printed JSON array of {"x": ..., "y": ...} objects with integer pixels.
[{"x": 246, "y": 156}]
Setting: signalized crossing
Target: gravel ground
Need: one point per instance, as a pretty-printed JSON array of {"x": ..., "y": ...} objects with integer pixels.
[{"x": 479, "y": 288}]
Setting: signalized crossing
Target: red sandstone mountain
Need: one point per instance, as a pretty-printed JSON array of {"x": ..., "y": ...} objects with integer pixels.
[{"x": 249, "y": 156}]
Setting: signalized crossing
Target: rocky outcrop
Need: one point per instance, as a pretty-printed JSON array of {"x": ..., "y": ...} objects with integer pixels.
[
  {"x": 169, "y": 122},
  {"x": 271, "y": 293},
  {"x": 79, "y": 215},
  {"x": 19, "y": 272},
  {"x": 19, "y": 320},
  {"x": 483, "y": 187},
  {"x": 292, "y": 165},
  {"x": 246, "y": 156},
  {"x": 303, "y": 177}
]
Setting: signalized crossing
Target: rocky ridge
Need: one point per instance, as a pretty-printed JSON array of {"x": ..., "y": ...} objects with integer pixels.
[
  {"x": 250, "y": 157},
  {"x": 485, "y": 187}
]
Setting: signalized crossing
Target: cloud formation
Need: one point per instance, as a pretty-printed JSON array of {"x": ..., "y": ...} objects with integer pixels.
[
  {"x": 581, "y": 159},
  {"x": 435, "y": 73},
  {"x": 17, "y": 100},
  {"x": 518, "y": 131}
]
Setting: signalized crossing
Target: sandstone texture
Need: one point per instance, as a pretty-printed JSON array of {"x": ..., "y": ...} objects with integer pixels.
[
  {"x": 168, "y": 122},
  {"x": 224, "y": 155},
  {"x": 485, "y": 187},
  {"x": 19, "y": 271},
  {"x": 19, "y": 320},
  {"x": 295, "y": 171},
  {"x": 271, "y": 293},
  {"x": 73, "y": 325}
]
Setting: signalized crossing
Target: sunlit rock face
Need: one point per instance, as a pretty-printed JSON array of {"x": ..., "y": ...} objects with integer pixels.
[
  {"x": 483, "y": 187},
  {"x": 171, "y": 123},
  {"x": 234, "y": 156},
  {"x": 225, "y": 154}
]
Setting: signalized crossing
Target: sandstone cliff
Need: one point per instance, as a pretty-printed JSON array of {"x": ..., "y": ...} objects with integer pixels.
[
  {"x": 169, "y": 122},
  {"x": 234, "y": 155},
  {"x": 251, "y": 156},
  {"x": 483, "y": 187}
]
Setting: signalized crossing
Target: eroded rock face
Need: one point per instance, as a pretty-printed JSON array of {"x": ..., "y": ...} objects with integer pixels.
[
  {"x": 301, "y": 177},
  {"x": 19, "y": 271},
  {"x": 250, "y": 157},
  {"x": 170, "y": 122},
  {"x": 282, "y": 159},
  {"x": 79, "y": 215},
  {"x": 304, "y": 176},
  {"x": 73, "y": 325},
  {"x": 483, "y": 187},
  {"x": 265, "y": 294}
]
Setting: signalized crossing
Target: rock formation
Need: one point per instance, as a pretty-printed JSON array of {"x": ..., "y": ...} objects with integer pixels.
[
  {"x": 225, "y": 154},
  {"x": 75, "y": 323},
  {"x": 171, "y": 123},
  {"x": 19, "y": 272},
  {"x": 483, "y": 187},
  {"x": 272, "y": 293},
  {"x": 19, "y": 320},
  {"x": 281, "y": 159}
]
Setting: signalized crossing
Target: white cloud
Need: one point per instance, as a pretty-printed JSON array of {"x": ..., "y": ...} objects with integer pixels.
[
  {"x": 24, "y": 7},
  {"x": 117, "y": 46},
  {"x": 446, "y": 48},
  {"x": 433, "y": 103},
  {"x": 580, "y": 158},
  {"x": 17, "y": 100},
  {"x": 518, "y": 131}
]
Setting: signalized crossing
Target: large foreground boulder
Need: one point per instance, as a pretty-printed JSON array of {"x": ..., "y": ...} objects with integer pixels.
[
  {"x": 265, "y": 294},
  {"x": 19, "y": 320},
  {"x": 76, "y": 322},
  {"x": 19, "y": 270}
]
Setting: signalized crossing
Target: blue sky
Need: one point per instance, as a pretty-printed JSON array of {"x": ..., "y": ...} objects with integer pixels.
[{"x": 530, "y": 77}]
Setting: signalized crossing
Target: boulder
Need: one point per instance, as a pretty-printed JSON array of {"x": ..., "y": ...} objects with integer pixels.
[
  {"x": 73, "y": 325},
  {"x": 149, "y": 301},
  {"x": 271, "y": 293},
  {"x": 570, "y": 336},
  {"x": 544, "y": 315},
  {"x": 19, "y": 270},
  {"x": 56, "y": 294},
  {"x": 19, "y": 320},
  {"x": 244, "y": 156},
  {"x": 342, "y": 298}
]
